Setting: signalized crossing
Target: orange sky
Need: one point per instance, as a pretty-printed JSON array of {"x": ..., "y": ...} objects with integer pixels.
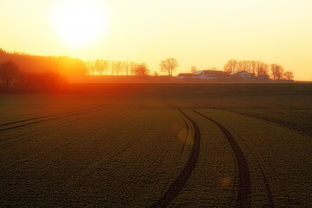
[{"x": 204, "y": 33}]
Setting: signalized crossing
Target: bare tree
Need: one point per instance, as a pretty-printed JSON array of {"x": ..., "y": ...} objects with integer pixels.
[
  {"x": 132, "y": 68},
  {"x": 99, "y": 66},
  {"x": 289, "y": 75},
  {"x": 90, "y": 67},
  {"x": 257, "y": 68},
  {"x": 169, "y": 65},
  {"x": 277, "y": 72},
  {"x": 106, "y": 67},
  {"x": 248, "y": 66},
  {"x": 8, "y": 73},
  {"x": 230, "y": 66},
  {"x": 113, "y": 67},
  {"x": 125, "y": 67},
  {"x": 141, "y": 70},
  {"x": 262, "y": 69},
  {"x": 118, "y": 67}
]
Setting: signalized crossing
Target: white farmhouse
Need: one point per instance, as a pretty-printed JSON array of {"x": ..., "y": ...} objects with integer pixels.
[{"x": 242, "y": 75}]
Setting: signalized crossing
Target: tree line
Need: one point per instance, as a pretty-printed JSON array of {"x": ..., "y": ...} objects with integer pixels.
[
  {"x": 72, "y": 68},
  {"x": 259, "y": 69},
  {"x": 75, "y": 69},
  {"x": 102, "y": 67},
  {"x": 12, "y": 78}
]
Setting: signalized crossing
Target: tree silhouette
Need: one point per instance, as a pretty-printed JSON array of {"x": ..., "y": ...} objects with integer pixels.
[
  {"x": 230, "y": 66},
  {"x": 277, "y": 72},
  {"x": 169, "y": 65},
  {"x": 125, "y": 67},
  {"x": 289, "y": 75},
  {"x": 106, "y": 66},
  {"x": 262, "y": 69},
  {"x": 8, "y": 73},
  {"x": 141, "y": 70},
  {"x": 90, "y": 67},
  {"x": 99, "y": 66},
  {"x": 258, "y": 68}
]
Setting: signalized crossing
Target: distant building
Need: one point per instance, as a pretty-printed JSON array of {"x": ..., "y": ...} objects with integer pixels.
[
  {"x": 242, "y": 75},
  {"x": 212, "y": 75},
  {"x": 217, "y": 75},
  {"x": 204, "y": 75}
]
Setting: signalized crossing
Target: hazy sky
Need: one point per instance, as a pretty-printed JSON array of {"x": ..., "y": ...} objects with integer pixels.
[{"x": 204, "y": 33}]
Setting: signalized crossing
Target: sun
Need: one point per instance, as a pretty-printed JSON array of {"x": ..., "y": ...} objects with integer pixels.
[{"x": 79, "y": 23}]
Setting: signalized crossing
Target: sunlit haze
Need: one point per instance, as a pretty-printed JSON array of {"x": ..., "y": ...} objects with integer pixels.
[
  {"x": 204, "y": 33},
  {"x": 79, "y": 23}
]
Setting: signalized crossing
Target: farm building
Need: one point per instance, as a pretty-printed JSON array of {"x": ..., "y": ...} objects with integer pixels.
[
  {"x": 205, "y": 75},
  {"x": 211, "y": 75},
  {"x": 242, "y": 75},
  {"x": 217, "y": 75}
]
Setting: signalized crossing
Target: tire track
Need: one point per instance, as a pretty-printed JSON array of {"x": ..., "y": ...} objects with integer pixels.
[
  {"x": 263, "y": 118},
  {"x": 83, "y": 174},
  {"x": 65, "y": 145},
  {"x": 244, "y": 192},
  {"x": 31, "y": 135},
  {"x": 23, "y": 137},
  {"x": 180, "y": 182},
  {"x": 41, "y": 119},
  {"x": 268, "y": 189}
]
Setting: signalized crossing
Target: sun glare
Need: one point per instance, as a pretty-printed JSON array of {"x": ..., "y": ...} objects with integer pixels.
[{"x": 79, "y": 23}]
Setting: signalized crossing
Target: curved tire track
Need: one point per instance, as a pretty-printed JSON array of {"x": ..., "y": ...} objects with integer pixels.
[
  {"x": 244, "y": 192},
  {"x": 179, "y": 183},
  {"x": 267, "y": 185},
  {"x": 186, "y": 137},
  {"x": 263, "y": 118}
]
